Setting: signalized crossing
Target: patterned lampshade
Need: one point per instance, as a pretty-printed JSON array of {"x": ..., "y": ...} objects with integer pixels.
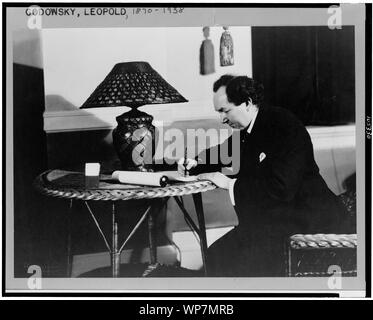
[{"x": 133, "y": 84}]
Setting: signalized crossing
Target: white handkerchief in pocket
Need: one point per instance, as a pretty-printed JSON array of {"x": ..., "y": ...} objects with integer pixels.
[{"x": 262, "y": 156}]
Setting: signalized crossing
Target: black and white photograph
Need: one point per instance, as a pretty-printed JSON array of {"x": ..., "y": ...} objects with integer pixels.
[{"x": 191, "y": 148}]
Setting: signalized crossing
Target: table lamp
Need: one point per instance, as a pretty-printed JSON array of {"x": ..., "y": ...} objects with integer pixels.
[{"x": 133, "y": 84}]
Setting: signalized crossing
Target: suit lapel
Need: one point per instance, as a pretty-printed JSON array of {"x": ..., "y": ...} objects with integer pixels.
[{"x": 253, "y": 144}]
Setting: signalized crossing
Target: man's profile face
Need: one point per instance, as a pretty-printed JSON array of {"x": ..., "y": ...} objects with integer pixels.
[{"x": 235, "y": 116}]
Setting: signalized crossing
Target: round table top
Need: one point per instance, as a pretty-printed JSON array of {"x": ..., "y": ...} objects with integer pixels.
[{"x": 71, "y": 185}]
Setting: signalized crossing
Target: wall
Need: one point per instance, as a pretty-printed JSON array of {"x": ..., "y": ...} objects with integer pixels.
[
  {"x": 27, "y": 48},
  {"x": 77, "y": 60},
  {"x": 29, "y": 149}
]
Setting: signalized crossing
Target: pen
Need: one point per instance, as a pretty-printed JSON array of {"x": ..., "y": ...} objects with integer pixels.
[{"x": 185, "y": 161}]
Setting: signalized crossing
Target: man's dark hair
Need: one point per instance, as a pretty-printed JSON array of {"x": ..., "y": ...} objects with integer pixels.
[{"x": 241, "y": 89}]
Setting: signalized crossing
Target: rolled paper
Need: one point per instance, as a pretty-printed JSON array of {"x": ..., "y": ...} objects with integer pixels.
[{"x": 140, "y": 178}]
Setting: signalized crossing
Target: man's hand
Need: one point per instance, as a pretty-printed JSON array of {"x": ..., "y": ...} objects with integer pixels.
[
  {"x": 181, "y": 167},
  {"x": 219, "y": 179}
]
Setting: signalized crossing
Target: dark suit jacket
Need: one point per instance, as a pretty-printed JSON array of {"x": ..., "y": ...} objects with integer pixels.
[{"x": 281, "y": 195}]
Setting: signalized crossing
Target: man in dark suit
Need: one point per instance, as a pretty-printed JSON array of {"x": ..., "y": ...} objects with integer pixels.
[{"x": 278, "y": 190}]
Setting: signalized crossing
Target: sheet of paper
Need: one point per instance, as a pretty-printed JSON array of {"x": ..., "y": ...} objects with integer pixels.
[{"x": 176, "y": 176}]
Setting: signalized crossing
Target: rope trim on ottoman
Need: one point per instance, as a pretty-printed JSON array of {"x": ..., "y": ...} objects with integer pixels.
[
  {"x": 311, "y": 255},
  {"x": 349, "y": 273},
  {"x": 319, "y": 241}
]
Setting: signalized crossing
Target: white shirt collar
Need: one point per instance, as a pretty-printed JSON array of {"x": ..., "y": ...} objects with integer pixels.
[{"x": 252, "y": 112}]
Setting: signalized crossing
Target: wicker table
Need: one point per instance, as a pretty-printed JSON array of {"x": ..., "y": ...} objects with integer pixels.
[{"x": 71, "y": 185}]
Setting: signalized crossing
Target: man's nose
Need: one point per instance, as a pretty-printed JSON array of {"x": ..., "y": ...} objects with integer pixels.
[{"x": 223, "y": 118}]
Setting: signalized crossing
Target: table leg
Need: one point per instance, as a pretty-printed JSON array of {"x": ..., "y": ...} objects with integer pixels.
[
  {"x": 157, "y": 205},
  {"x": 69, "y": 261},
  {"x": 115, "y": 253},
  {"x": 113, "y": 249},
  {"x": 152, "y": 236},
  {"x": 197, "y": 198}
]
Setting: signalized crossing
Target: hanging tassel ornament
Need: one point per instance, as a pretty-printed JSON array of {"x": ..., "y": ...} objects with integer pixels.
[
  {"x": 226, "y": 49},
  {"x": 206, "y": 54}
]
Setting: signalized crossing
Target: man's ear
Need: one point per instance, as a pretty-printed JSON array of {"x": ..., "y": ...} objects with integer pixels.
[{"x": 249, "y": 104}]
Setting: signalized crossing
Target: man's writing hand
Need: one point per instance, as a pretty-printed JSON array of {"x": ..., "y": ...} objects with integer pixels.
[
  {"x": 187, "y": 165},
  {"x": 219, "y": 179}
]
